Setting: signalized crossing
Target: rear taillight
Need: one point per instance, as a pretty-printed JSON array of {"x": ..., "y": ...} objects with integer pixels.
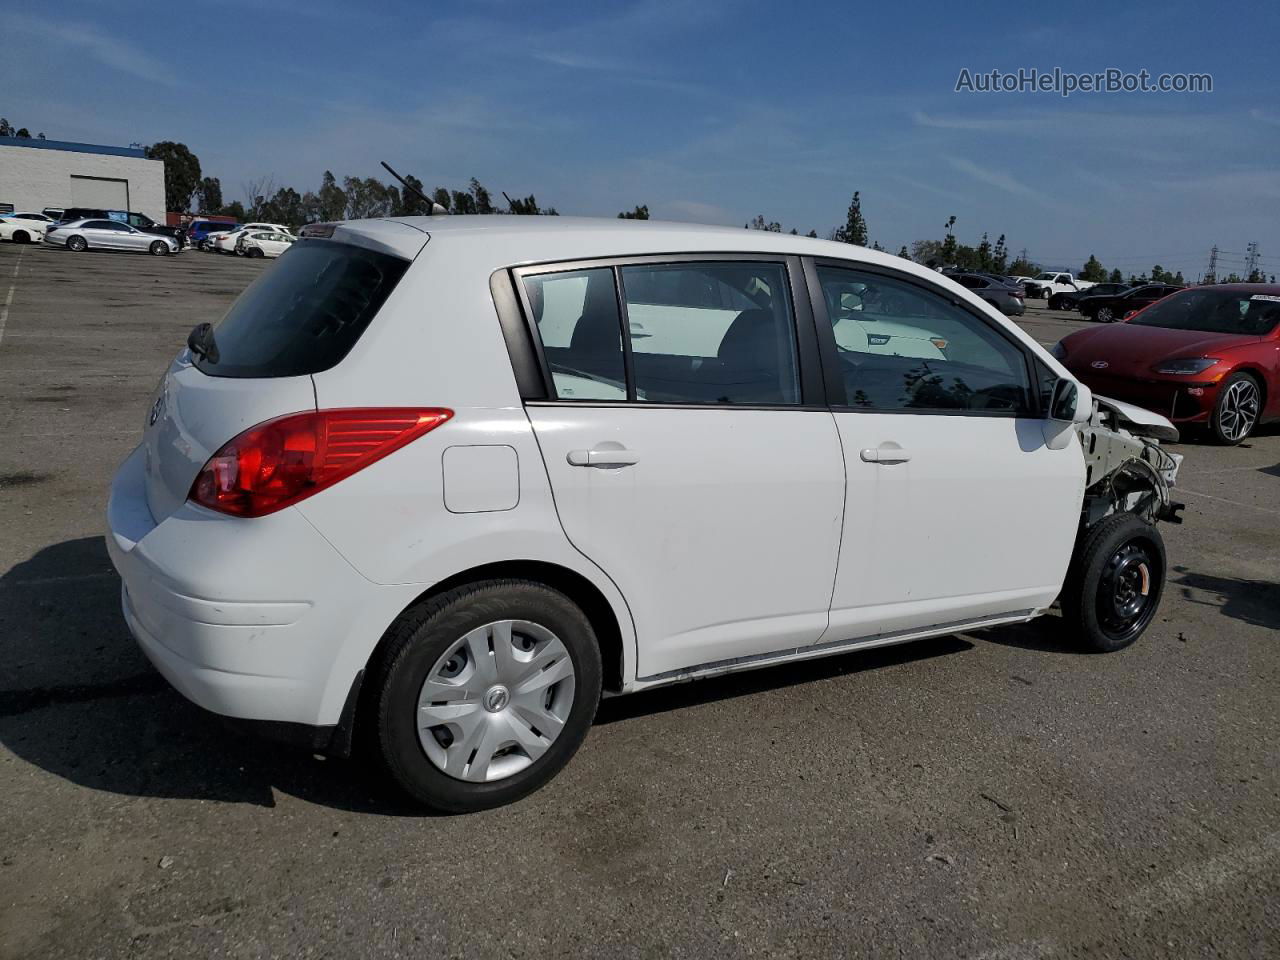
[{"x": 283, "y": 461}]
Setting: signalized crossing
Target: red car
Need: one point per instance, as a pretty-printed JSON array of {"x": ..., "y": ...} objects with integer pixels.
[{"x": 1206, "y": 356}]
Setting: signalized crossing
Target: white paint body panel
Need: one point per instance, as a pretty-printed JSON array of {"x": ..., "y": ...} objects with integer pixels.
[
  {"x": 979, "y": 522},
  {"x": 722, "y": 535}
]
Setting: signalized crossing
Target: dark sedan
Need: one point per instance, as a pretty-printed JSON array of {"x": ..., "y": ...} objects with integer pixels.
[
  {"x": 1072, "y": 298},
  {"x": 1008, "y": 298},
  {"x": 1106, "y": 308},
  {"x": 1205, "y": 355}
]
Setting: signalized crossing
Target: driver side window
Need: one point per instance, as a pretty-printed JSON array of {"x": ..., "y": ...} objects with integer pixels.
[{"x": 905, "y": 347}]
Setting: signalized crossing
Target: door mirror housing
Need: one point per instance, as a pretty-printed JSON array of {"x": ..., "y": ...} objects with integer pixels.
[{"x": 1072, "y": 402}]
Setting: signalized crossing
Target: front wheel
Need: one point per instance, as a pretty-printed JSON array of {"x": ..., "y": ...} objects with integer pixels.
[
  {"x": 1115, "y": 582},
  {"x": 159, "y": 249},
  {"x": 1104, "y": 315},
  {"x": 482, "y": 695},
  {"x": 1057, "y": 303},
  {"x": 253, "y": 253},
  {"x": 1235, "y": 413}
]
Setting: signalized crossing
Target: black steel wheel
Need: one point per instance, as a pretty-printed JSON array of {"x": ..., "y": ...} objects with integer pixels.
[{"x": 1115, "y": 582}]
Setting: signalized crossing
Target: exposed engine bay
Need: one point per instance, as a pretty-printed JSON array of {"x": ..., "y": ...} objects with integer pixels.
[{"x": 1126, "y": 469}]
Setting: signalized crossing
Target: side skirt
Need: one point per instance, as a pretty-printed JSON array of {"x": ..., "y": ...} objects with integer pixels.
[{"x": 830, "y": 648}]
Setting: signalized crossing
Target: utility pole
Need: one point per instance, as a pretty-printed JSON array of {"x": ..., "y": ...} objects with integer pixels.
[
  {"x": 1251, "y": 261},
  {"x": 1211, "y": 275}
]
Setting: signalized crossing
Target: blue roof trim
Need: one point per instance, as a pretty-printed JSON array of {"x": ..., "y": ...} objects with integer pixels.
[{"x": 38, "y": 144}]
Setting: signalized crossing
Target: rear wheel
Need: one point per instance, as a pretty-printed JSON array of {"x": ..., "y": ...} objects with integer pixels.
[
  {"x": 159, "y": 249},
  {"x": 77, "y": 244},
  {"x": 1236, "y": 411},
  {"x": 482, "y": 695},
  {"x": 1115, "y": 582},
  {"x": 253, "y": 253},
  {"x": 1057, "y": 303}
]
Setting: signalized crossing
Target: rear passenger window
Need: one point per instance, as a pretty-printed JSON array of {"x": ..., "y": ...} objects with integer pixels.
[
  {"x": 581, "y": 331},
  {"x": 712, "y": 333},
  {"x": 303, "y": 315},
  {"x": 904, "y": 347}
]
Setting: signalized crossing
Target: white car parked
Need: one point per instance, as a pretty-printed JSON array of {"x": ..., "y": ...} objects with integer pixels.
[
  {"x": 448, "y": 479},
  {"x": 24, "y": 227},
  {"x": 226, "y": 242},
  {"x": 264, "y": 243}
]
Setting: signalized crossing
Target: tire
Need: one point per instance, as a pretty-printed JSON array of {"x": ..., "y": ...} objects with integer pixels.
[
  {"x": 1237, "y": 409},
  {"x": 77, "y": 244},
  {"x": 432, "y": 644},
  {"x": 159, "y": 249},
  {"x": 21, "y": 236},
  {"x": 253, "y": 253},
  {"x": 1104, "y": 315},
  {"x": 1058, "y": 303},
  {"x": 1114, "y": 584}
]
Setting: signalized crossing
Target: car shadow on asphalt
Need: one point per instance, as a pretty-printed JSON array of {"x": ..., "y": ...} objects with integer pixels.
[
  {"x": 80, "y": 701},
  {"x": 1255, "y": 602}
]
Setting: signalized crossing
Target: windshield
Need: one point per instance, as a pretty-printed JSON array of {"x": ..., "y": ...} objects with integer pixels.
[
  {"x": 1047, "y": 276},
  {"x": 1214, "y": 311},
  {"x": 304, "y": 314}
]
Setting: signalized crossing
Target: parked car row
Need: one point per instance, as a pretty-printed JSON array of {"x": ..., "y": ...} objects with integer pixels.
[{"x": 81, "y": 229}]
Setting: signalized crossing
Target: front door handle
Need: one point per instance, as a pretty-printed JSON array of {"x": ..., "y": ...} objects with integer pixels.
[
  {"x": 617, "y": 457},
  {"x": 885, "y": 453}
]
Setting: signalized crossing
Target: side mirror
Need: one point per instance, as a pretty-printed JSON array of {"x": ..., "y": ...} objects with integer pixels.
[{"x": 1072, "y": 402}]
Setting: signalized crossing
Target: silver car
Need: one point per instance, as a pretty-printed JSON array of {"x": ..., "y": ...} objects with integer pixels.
[{"x": 79, "y": 235}]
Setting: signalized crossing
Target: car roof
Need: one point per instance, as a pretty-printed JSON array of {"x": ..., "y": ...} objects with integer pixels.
[{"x": 508, "y": 240}]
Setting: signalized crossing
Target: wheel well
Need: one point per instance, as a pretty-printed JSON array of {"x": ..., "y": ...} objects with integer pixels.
[
  {"x": 1261, "y": 381},
  {"x": 572, "y": 584}
]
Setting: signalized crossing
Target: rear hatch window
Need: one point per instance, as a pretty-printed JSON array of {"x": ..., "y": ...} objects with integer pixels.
[{"x": 304, "y": 314}]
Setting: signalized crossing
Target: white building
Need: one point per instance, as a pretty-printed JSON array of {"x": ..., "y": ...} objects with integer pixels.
[{"x": 35, "y": 174}]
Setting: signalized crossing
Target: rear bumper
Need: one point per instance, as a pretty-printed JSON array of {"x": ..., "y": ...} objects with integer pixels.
[{"x": 244, "y": 618}]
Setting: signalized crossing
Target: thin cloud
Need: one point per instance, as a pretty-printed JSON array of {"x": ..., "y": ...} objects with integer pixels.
[
  {"x": 994, "y": 178},
  {"x": 96, "y": 44}
]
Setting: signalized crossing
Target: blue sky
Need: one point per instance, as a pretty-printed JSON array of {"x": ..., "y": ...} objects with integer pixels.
[{"x": 712, "y": 110}]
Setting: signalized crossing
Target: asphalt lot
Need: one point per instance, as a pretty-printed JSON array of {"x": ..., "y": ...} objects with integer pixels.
[{"x": 993, "y": 795}]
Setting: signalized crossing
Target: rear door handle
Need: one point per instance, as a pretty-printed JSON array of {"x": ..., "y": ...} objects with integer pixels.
[
  {"x": 602, "y": 458},
  {"x": 884, "y": 454}
]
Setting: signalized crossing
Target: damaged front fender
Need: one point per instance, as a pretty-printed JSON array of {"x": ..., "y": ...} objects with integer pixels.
[{"x": 1126, "y": 469}]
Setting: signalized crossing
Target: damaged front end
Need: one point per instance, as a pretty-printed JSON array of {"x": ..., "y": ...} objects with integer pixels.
[{"x": 1126, "y": 469}]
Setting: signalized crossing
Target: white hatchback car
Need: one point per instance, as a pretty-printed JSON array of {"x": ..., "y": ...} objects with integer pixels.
[{"x": 446, "y": 480}]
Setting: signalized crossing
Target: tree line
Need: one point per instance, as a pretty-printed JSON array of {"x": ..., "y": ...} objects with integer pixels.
[{"x": 352, "y": 198}]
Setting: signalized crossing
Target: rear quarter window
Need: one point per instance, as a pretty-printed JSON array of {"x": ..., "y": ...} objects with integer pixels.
[{"x": 305, "y": 313}]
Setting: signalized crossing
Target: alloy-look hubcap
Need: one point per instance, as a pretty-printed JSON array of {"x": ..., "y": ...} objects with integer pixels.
[
  {"x": 495, "y": 701},
  {"x": 1239, "y": 410}
]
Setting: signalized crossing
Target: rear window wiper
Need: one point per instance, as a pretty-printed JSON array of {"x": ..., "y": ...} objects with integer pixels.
[{"x": 201, "y": 343}]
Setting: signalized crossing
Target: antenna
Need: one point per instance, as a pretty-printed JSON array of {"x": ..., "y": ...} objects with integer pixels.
[{"x": 435, "y": 208}]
